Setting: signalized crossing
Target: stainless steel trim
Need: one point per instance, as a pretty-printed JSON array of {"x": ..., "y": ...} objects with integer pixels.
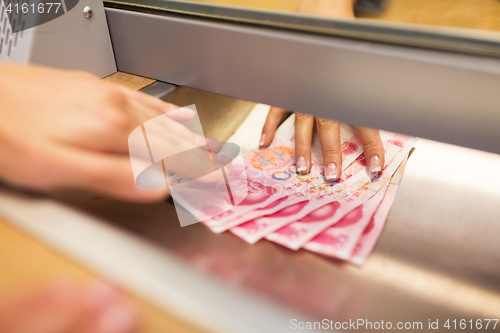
[
  {"x": 143, "y": 268},
  {"x": 437, "y": 258},
  {"x": 432, "y": 94}
]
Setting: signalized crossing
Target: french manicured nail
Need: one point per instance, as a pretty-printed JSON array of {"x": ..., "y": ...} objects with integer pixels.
[
  {"x": 375, "y": 164},
  {"x": 188, "y": 111},
  {"x": 331, "y": 172},
  {"x": 301, "y": 164},
  {"x": 117, "y": 319},
  {"x": 262, "y": 139}
]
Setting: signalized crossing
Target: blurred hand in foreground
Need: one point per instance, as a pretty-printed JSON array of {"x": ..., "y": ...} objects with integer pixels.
[
  {"x": 66, "y": 129},
  {"x": 68, "y": 308}
]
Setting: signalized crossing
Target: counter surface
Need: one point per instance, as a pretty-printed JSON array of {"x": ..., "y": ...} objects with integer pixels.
[{"x": 437, "y": 258}]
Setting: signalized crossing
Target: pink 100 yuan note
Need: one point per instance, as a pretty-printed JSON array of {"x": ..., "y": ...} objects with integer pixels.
[
  {"x": 354, "y": 176},
  {"x": 339, "y": 241},
  {"x": 297, "y": 234},
  {"x": 271, "y": 175},
  {"x": 372, "y": 232}
]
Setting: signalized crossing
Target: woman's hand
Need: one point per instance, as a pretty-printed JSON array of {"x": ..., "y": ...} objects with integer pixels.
[
  {"x": 328, "y": 130},
  {"x": 329, "y": 134},
  {"x": 68, "y": 308},
  {"x": 65, "y": 129}
]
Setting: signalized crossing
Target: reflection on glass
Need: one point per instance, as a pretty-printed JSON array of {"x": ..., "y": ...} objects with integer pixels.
[
  {"x": 466, "y": 26},
  {"x": 277, "y": 5},
  {"x": 473, "y": 14}
]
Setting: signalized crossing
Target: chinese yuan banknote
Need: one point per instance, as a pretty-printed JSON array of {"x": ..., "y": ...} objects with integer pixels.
[
  {"x": 296, "y": 234},
  {"x": 271, "y": 176},
  {"x": 256, "y": 229},
  {"x": 373, "y": 230},
  {"x": 355, "y": 176},
  {"x": 340, "y": 240}
]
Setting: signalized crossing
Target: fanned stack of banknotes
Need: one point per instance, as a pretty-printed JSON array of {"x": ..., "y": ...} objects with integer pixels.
[{"x": 342, "y": 219}]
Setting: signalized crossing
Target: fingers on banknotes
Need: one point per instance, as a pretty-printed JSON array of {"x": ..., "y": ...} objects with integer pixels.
[
  {"x": 269, "y": 129},
  {"x": 304, "y": 125},
  {"x": 329, "y": 135},
  {"x": 373, "y": 148}
]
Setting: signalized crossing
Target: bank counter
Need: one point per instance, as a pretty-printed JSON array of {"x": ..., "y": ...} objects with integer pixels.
[{"x": 437, "y": 261}]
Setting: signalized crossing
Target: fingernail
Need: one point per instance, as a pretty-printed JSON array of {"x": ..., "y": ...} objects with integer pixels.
[
  {"x": 100, "y": 294},
  {"x": 301, "y": 164},
  {"x": 214, "y": 145},
  {"x": 262, "y": 139},
  {"x": 331, "y": 172},
  {"x": 188, "y": 111},
  {"x": 375, "y": 164},
  {"x": 150, "y": 180},
  {"x": 224, "y": 159},
  {"x": 117, "y": 319}
]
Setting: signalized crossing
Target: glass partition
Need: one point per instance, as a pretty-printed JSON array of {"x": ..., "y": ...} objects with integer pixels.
[{"x": 467, "y": 26}]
